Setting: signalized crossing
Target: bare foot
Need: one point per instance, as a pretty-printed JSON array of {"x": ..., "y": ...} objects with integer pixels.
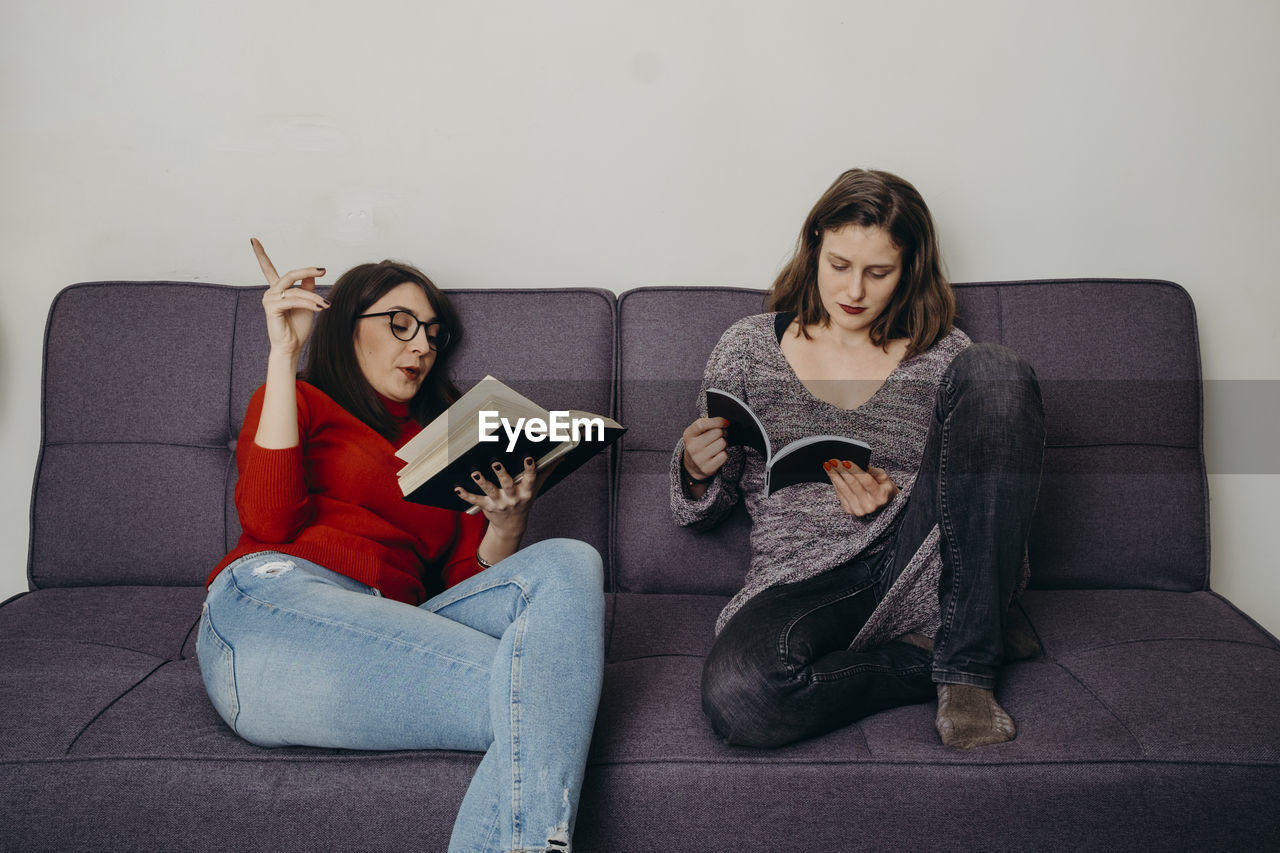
[{"x": 969, "y": 716}]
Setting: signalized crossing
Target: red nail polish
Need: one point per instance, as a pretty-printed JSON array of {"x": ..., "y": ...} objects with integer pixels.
[
  {"x": 826, "y": 466},
  {"x": 848, "y": 464}
]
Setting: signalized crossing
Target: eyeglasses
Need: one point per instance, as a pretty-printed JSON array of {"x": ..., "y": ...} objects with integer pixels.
[{"x": 405, "y": 327}]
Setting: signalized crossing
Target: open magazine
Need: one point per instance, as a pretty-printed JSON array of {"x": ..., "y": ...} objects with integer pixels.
[{"x": 798, "y": 462}]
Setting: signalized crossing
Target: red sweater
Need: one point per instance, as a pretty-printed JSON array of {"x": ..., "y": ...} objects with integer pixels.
[{"x": 334, "y": 500}]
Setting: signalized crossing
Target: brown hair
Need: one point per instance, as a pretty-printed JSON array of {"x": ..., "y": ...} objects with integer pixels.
[
  {"x": 922, "y": 307},
  {"x": 332, "y": 365}
]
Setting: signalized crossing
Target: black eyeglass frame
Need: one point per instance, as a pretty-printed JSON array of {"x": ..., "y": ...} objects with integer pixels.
[{"x": 439, "y": 342}]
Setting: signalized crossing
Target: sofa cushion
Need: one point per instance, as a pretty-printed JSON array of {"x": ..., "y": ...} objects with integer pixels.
[
  {"x": 1121, "y": 724},
  {"x": 155, "y": 621},
  {"x": 1093, "y": 694},
  {"x": 558, "y": 348},
  {"x": 660, "y": 557},
  {"x": 1143, "y": 703},
  {"x": 130, "y": 483},
  {"x": 136, "y": 513},
  {"x": 664, "y": 336}
]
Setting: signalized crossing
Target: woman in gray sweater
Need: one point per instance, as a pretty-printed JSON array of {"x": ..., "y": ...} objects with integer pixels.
[{"x": 882, "y": 587}]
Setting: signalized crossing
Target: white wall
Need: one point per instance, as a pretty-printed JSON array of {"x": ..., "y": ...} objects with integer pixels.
[{"x": 621, "y": 144}]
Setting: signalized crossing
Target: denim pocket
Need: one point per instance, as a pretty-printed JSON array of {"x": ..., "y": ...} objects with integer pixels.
[{"x": 217, "y": 668}]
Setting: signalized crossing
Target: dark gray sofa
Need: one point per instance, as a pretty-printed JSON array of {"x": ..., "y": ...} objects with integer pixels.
[{"x": 1150, "y": 722}]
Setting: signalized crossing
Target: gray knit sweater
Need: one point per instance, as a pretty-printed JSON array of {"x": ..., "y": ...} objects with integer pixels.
[{"x": 801, "y": 531}]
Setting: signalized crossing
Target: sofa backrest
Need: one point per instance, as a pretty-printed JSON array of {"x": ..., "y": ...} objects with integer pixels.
[
  {"x": 1123, "y": 501},
  {"x": 145, "y": 389},
  {"x": 146, "y": 385}
]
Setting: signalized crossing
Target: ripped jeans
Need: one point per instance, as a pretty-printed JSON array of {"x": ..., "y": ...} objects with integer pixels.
[{"x": 508, "y": 662}]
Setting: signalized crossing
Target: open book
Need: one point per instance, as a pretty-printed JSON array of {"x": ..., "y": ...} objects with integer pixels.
[
  {"x": 492, "y": 423},
  {"x": 798, "y": 462}
]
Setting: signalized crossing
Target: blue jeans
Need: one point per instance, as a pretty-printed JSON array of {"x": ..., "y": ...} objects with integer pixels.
[
  {"x": 781, "y": 669},
  {"x": 508, "y": 662}
]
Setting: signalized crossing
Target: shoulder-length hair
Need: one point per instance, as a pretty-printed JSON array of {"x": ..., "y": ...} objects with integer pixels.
[
  {"x": 332, "y": 365},
  {"x": 922, "y": 308}
]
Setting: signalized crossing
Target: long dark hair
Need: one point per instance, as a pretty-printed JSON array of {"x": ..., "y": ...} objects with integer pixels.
[
  {"x": 922, "y": 308},
  {"x": 332, "y": 365}
]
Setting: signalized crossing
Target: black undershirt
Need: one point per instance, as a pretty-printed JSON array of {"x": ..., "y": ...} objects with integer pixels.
[{"x": 781, "y": 322}]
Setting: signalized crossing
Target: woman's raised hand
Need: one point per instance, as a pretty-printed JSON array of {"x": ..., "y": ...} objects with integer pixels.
[
  {"x": 705, "y": 448},
  {"x": 290, "y": 309},
  {"x": 860, "y": 492}
]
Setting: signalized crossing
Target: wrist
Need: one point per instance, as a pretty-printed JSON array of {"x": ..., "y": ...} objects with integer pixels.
[
  {"x": 284, "y": 359},
  {"x": 690, "y": 480},
  {"x": 500, "y": 542},
  {"x": 688, "y": 475}
]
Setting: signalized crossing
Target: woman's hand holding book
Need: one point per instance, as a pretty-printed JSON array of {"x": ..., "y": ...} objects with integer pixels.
[
  {"x": 860, "y": 492},
  {"x": 705, "y": 447}
]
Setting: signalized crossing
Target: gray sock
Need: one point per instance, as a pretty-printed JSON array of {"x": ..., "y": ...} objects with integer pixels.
[{"x": 969, "y": 716}]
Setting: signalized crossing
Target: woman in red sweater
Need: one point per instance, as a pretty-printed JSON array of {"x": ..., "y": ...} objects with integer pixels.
[{"x": 321, "y": 627}]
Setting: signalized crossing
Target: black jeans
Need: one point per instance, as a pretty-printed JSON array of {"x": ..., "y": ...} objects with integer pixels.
[{"x": 781, "y": 669}]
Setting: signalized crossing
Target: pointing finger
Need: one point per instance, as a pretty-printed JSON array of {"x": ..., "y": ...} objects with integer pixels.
[{"x": 268, "y": 269}]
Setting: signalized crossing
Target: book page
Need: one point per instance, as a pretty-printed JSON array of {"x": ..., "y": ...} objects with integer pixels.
[
  {"x": 455, "y": 432},
  {"x": 801, "y": 460}
]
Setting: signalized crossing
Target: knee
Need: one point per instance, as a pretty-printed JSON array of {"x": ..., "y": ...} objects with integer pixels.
[
  {"x": 1004, "y": 381},
  {"x": 571, "y": 562},
  {"x": 987, "y": 361},
  {"x": 744, "y": 701}
]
